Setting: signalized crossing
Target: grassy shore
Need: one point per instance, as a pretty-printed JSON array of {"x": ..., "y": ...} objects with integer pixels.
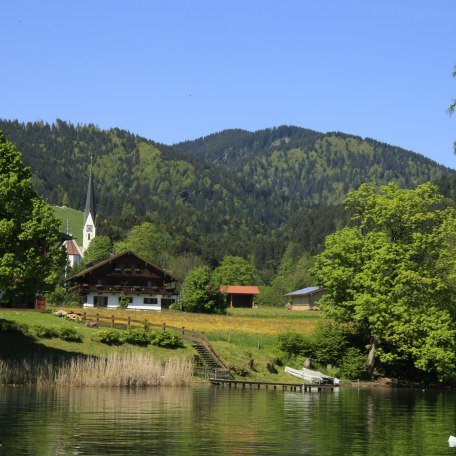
[{"x": 245, "y": 338}]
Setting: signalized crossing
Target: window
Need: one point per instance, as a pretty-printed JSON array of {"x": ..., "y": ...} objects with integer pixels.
[
  {"x": 128, "y": 298},
  {"x": 150, "y": 301},
  {"x": 100, "y": 301}
]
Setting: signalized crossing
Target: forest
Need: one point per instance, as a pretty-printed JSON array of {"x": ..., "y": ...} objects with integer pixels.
[{"x": 270, "y": 196}]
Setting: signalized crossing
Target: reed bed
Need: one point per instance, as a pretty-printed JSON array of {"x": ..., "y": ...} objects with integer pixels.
[{"x": 117, "y": 369}]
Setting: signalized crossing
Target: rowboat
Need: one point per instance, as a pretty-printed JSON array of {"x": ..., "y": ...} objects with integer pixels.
[{"x": 312, "y": 376}]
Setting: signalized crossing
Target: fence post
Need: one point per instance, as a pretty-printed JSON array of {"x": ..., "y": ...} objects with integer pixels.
[
  {"x": 98, "y": 317},
  {"x": 164, "y": 326},
  {"x": 112, "y": 321},
  {"x": 84, "y": 316},
  {"x": 183, "y": 330},
  {"x": 128, "y": 322},
  {"x": 145, "y": 325}
]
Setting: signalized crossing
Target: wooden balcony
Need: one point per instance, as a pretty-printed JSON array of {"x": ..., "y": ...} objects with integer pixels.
[{"x": 85, "y": 289}]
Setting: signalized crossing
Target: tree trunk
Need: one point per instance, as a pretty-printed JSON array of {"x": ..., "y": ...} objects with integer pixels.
[{"x": 371, "y": 357}]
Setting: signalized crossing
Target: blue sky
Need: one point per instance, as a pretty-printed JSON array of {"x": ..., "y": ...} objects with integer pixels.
[{"x": 175, "y": 70}]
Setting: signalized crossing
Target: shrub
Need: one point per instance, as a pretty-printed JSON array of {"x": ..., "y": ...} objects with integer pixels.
[
  {"x": 270, "y": 296},
  {"x": 137, "y": 337},
  {"x": 108, "y": 337},
  {"x": 123, "y": 301},
  {"x": 165, "y": 339},
  {"x": 329, "y": 342},
  {"x": 44, "y": 332},
  {"x": 70, "y": 335},
  {"x": 13, "y": 327},
  {"x": 294, "y": 344},
  {"x": 353, "y": 365}
]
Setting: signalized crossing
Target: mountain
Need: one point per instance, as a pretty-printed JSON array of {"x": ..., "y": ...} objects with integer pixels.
[
  {"x": 233, "y": 192},
  {"x": 305, "y": 168}
]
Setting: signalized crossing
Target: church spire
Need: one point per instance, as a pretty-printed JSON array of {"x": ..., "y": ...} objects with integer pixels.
[
  {"x": 89, "y": 207},
  {"x": 88, "y": 231}
]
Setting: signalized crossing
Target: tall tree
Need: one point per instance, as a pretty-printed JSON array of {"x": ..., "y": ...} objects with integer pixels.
[
  {"x": 234, "y": 270},
  {"x": 99, "y": 248},
  {"x": 149, "y": 241},
  {"x": 391, "y": 277},
  {"x": 200, "y": 293},
  {"x": 30, "y": 255}
]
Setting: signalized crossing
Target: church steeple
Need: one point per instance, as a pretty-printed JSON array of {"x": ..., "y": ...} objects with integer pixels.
[{"x": 88, "y": 230}]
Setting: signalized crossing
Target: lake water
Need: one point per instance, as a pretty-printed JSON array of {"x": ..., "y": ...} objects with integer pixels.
[{"x": 220, "y": 421}]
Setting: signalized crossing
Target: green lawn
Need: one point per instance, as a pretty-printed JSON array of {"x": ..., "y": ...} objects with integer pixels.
[
  {"x": 12, "y": 344},
  {"x": 236, "y": 346},
  {"x": 74, "y": 218}
]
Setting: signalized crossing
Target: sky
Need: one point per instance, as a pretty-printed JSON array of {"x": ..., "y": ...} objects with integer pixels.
[{"x": 174, "y": 70}]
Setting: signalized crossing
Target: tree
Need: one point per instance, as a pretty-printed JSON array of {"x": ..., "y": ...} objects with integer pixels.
[
  {"x": 149, "y": 241},
  {"x": 200, "y": 293},
  {"x": 30, "y": 255},
  {"x": 234, "y": 270},
  {"x": 99, "y": 248},
  {"x": 391, "y": 278}
]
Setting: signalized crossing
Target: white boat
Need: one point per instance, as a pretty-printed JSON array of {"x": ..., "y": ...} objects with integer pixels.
[{"x": 312, "y": 376}]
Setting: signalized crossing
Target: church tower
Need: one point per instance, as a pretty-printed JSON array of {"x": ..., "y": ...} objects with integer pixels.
[{"x": 88, "y": 229}]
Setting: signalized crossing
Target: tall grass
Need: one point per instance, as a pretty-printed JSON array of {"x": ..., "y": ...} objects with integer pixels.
[{"x": 117, "y": 369}]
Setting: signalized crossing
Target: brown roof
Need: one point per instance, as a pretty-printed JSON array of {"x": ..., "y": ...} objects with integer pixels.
[
  {"x": 240, "y": 289},
  {"x": 72, "y": 248},
  {"x": 114, "y": 258}
]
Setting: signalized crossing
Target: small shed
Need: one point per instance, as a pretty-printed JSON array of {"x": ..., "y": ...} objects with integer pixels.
[
  {"x": 305, "y": 299},
  {"x": 240, "y": 295}
]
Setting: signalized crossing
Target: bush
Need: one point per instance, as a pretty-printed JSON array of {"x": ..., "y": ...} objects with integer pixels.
[
  {"x": 200, "y": 294},
  {"x": 70, "y": 335},
  {"x": 329, "y": 342},
  {"x": 294, "y": 344},
  {"x": 60, "y": 297},
  {"x": 165, "y": 339},
  {"x": 353, "y": 365},
  {"x": 108, "y": 337},
  {"x": 270, "y": 296},
  {"x": 123, "y": 301},
  {"x": 137, "y": 337},
  {"x": 44, "y": 332}
]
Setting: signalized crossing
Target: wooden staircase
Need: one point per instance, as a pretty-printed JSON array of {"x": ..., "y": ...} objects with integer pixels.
[{"x": 210, "y": 362}]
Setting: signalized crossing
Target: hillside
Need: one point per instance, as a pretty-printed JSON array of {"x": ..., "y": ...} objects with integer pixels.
[
  {"x": 71, "y": 221},
  {"x": 230, "y": 193},
  {"x": 305, "y": 168}
]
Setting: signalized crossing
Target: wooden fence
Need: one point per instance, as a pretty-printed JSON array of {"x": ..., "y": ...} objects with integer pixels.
[{"x": 196, "y": 337}]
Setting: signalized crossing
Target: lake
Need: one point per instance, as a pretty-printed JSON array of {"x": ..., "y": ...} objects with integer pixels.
[{"x": 220, "y": 421}]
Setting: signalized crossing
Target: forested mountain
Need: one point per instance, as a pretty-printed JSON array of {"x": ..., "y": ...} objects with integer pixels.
[
  {"x": 305, "y": 168},
  {"x": 230, "y": 193}
]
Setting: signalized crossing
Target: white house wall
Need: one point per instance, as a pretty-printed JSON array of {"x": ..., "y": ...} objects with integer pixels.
[{"x": 137, "y": 304}]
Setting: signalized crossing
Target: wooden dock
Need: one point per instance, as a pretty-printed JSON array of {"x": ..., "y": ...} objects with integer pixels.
[{"x": 273, "y": 385}]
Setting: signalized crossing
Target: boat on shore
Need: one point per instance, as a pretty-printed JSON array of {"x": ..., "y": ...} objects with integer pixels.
[{"x": 312, "y": 376}]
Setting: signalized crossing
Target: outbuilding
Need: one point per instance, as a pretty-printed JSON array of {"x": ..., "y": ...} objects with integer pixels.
[
  {"x": 240, "y": 295},
  {"x": 305, "y": 299}
]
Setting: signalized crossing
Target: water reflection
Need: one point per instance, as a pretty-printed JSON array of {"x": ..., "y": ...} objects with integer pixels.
[{"x": 211, "y": 420}]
